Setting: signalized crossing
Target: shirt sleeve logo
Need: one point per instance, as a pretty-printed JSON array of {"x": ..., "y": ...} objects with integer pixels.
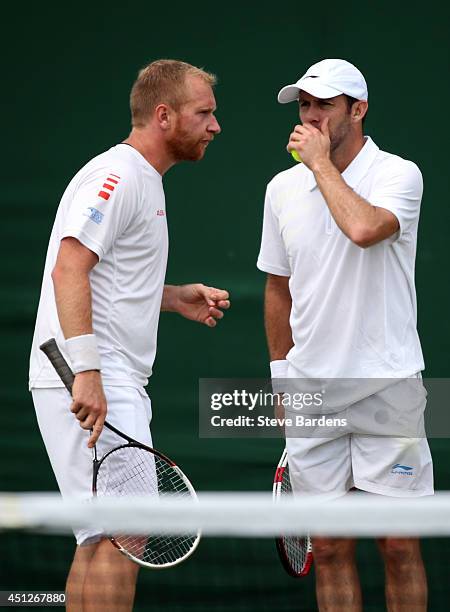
[
  {"x": 109, "y": 185},
  {"x": 94, "y": 215}
]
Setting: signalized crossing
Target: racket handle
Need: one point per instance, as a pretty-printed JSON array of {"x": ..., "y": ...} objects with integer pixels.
[{"x": 50, "y": 348}]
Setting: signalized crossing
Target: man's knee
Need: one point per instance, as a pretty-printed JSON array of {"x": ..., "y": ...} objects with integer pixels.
[
  {"x": 327, "y": 551},
  {"x": 400, "y": 551}
]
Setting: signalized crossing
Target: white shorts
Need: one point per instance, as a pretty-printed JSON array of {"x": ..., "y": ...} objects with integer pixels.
[
  {"x": 128, "y": 409},
  {"x": 333, "y": 460}
]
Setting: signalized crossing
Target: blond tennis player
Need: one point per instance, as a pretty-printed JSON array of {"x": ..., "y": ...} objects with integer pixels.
[{"x": 102, "y": 292}]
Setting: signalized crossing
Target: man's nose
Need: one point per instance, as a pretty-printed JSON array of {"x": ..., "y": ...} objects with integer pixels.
[
  {"x": 310, "y": 115},
  {"x": 214, "y": 126}
]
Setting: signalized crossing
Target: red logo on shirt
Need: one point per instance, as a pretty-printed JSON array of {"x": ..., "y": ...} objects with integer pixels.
[
  {"x": 110, "y": 185},
  {"x": 160, "y": 212}
]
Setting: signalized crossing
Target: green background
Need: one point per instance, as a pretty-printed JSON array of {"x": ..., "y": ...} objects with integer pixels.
[{"x": 66, "y": 76}]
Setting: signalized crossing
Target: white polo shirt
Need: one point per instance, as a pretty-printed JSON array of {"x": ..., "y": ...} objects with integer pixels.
[
  {"x": 353, "y": 309},
  {"x": 115, "y": 206}
]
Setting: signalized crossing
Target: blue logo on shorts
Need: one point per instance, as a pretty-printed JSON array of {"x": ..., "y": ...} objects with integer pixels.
[
  {"x": 404, "y": 470},
  {"x": 94, "y": 215}
]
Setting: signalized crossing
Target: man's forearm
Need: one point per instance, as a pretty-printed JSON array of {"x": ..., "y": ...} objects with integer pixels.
[
  {"x": 73, "y": 302},
  {"x": 277, "y": 309},
  {"x": 352, "y": 213},
  {"x": 169, "y": 298}
]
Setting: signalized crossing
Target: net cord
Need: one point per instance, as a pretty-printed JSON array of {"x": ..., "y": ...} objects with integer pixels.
[{"x": 233, "y": 514}]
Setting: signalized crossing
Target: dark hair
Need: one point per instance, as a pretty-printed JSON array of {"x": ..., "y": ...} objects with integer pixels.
[{"x": 350, "y": 102}]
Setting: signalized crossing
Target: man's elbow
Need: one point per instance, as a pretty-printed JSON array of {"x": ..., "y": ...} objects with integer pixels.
[
  {"x": 382, "y": 226},
  {"x": 57, "y": 274},
  {"x": 61, "y": 272},
  {"x": 363, "y": 237}
]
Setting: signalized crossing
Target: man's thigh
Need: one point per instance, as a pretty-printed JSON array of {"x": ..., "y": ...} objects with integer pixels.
[
  {"x": 320, "y": 465},
  {"x": 396, "y": 467},
  {"x": 66, "y": 442},
  {"x": 390, "y": 453}
]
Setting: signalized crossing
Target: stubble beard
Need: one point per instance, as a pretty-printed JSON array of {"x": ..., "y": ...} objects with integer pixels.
[
  {"x": 184, "y": 148},
  {"x": 340, "y": 135}
]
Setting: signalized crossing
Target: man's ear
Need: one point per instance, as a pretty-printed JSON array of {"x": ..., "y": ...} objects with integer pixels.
[
  {"x": 359, "y": 110},
  {"x": 163, "y": 115}
]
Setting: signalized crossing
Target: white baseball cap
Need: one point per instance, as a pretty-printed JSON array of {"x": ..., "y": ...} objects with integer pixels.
[{"x": 327, "y": 79}]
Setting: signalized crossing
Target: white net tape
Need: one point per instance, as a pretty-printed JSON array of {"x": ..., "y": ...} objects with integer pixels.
[{"x": 233, "y": 514}]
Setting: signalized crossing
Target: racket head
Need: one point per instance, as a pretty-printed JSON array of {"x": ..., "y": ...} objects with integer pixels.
[
  {"x": 295, "y": 552},
  {"x": 134, "y": 469}
]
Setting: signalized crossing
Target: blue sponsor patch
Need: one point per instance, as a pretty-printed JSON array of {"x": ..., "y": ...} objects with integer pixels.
[
  {"x": 405, "y": 470},
  {"x": 94, "y": 215}
]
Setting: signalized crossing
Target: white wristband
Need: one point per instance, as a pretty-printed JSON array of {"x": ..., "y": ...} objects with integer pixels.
[
  {"x": 83, "y": 353},
  {"x": 278, "y": 371}
]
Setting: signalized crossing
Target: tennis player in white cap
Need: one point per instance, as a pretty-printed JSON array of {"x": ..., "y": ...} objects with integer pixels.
[{"x": 338, "y": 245}]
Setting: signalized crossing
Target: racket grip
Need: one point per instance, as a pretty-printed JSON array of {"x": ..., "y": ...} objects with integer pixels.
[{"x": 50, "y": 348}]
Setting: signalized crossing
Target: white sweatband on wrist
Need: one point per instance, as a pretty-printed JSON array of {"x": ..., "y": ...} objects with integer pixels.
[
  {"x": 278, "y": 371},
  {"x": 83, "y": 353}
]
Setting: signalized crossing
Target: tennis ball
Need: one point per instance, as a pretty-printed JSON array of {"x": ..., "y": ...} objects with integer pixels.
[{"x": 296, "y": 156}]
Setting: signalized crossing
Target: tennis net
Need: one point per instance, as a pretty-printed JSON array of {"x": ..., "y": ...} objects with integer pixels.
[{"x": 236, "y": 566}]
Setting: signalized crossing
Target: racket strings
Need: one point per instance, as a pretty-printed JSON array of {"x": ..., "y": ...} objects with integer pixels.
[
  {"x": 297, "y": 548},
  {"x": 297, "y": 551},
  {"x": 133, "y": 471},
  {"x": 126, "y": 481}
]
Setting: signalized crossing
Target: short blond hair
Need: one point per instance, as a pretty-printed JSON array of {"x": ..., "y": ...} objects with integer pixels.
[{"x": 162, "y": 82}]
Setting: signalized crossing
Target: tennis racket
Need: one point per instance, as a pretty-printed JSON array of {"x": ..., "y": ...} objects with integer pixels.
[
  {"x": 136, "y": 469},
  {"x": 295, "y": 552}
]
